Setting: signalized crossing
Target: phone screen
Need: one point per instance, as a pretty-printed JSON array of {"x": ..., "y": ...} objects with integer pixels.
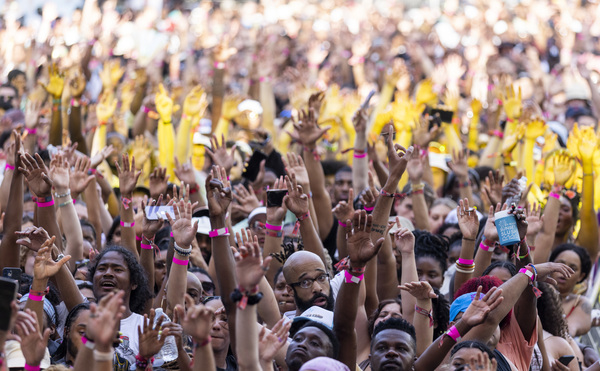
[
  {"x": 8, "y": 293},
  {"x": 275, "y": 197}
]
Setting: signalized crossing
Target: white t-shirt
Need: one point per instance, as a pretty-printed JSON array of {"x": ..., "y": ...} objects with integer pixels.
[{"x": 129, "y": 348}]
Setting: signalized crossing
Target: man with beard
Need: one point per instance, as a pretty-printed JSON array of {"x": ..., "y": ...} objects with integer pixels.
[
  {"x": 308, "y": 282},
  {"x": 393, "y": 345}
]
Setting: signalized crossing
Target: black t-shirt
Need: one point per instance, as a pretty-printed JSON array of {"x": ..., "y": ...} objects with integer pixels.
[
  {"x": 330, "y": 242},
  {"x": 503, "y": 364},
  {"x": 231, "y": 363}
]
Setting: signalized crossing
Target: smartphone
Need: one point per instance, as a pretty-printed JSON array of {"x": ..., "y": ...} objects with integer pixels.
[
  {"x": 8, "y": 293},
  {"x": 565, "y": 360},
  {"x": 367, "y": 100},
  {"x": 253, "y": 167},
  {"x": 12, "y": 273},
  {"x": 445, "y": 116},
  {"x": 275, "y": 197},
  {"x": 159, "y": 212}
]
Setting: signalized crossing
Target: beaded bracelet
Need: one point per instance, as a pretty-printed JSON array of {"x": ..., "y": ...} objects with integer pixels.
[
  {"x": 417, "y": 187},
  {"x": 68, "y": 193},
  {"x": 66, "y": 203},
  {"x": 181, "y": 251}
]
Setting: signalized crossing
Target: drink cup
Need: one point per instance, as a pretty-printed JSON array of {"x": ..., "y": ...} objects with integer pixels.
[{"x": 506, "y": 225}]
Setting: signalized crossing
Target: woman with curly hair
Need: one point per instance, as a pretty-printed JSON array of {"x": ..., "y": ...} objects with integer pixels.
[{"x": 557, "y": 340}]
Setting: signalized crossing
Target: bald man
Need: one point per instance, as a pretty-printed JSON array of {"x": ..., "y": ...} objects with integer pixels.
[{"x": 308, "y": 281}]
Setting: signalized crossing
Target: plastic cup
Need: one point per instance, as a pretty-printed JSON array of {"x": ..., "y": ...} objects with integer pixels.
[{"x": 506, "y": 225}]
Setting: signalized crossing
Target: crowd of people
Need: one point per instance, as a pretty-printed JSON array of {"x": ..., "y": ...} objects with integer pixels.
[{"x": 300, "y": 185}]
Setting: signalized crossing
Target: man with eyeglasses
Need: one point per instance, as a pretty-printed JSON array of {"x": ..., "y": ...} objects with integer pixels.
[{"x": 308, "y": 282}]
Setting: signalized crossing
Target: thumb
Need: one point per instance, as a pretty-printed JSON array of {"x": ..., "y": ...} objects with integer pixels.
[{"x": 46, "y": 335}]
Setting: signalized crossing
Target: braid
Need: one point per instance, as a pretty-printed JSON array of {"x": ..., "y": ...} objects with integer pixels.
[{"x": 431, "y": 245}]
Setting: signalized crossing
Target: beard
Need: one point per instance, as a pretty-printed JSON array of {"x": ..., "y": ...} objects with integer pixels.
[
  {"x": 71, "y": 349},
  {"x": 303, "y": 305}
]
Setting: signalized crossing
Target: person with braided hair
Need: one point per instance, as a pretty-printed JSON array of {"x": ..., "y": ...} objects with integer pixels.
[{"x": 431, "y": 255}]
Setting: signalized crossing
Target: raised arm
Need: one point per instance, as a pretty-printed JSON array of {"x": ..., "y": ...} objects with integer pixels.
[
  {"x": 460, "y": 168},
  {"x": 55, "y": 89},
  {"x": 423, "y": 319},
  {"x": 360, "y": 163},
  {"x": 405, "y": 242},
  {"x": 193, "y": 108},
  {"x": 468, "y": 223},
  {"x": 249, "y": 270},
  {"x": 361, "y": 250},
  {"x": 273, "y": 234},
  {"x": 128, "y": 177},
  {"x": 490, "y": 236},
  {"x": 165, "y": 133},
  {"x": 183, "y": 233},
  {"x": 415, "y": 169},
  {"x": 76, "y": 88},
  {"x": 588, "y": 234},
  {"x": 197, "y": 323}
]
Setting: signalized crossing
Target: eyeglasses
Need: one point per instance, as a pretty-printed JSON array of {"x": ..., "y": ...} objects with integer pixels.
[
  {"x": 308, "y": 283},
  {"x": 257, "y": 226}
]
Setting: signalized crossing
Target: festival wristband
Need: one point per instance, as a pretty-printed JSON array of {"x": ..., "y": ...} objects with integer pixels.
[
  {"x": 554, "y": 195},
  {"x": 360, "y": 155},
  {"x": 146, "y": 246},
  {"x": 127, "y": 225},
  {"x": 218, "y": 232},
  {"x": 465, "y": 261},
  {"x": 31, "y": 368},
  {"x": 45, "y": 204},
  {"x": 426, "y": 313},
  {"x": 138, "y": 238},
  {"x": 353, "y": 279},
  {"x": 341, "y": 224},
  {"x": 87, "y": 342},
  {"x": 272, "y": 227},
  {"x": 8, "y": 166},
  {"x": 36, "y": 297},
  {"x": 126, "y": 202},
  {"x": 180, "y": 262},
  {"x": 528, "y": 273},
  {"x": 453, "y": 333},
  {"x": 369, "y": 208},
  {"x": 205, "y": 342},
  {"x": 485, "y": 247}
]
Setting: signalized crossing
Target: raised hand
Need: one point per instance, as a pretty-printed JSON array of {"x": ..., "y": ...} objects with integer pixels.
[
  {"x": 249, "y": 265},
  {"x": 32, "y": 237},
  {"x": 32, "y": 113},
  {"x": 158, "y": 182},
  {"x": 345, "y": 210},
  {"x": 56, "y": 82},
  {"x": 480, "y": 308},
  {"x": 522, "y": 223},
  {"x": 164, "y": 104},
  {"x": 183, "y": 230},
  {"x": 222, "y": 52},
  {"x": 316, "y": 54},
  {"x": 587, "y": 144},
  {"x": 33, "y": 343},
  {"x": 545, "y": 270},
  {"x": 397, "y": 155},
  {"x": 564, "y": 167},
  {"x": 295, "y": 164},
  {"x": 105, "y": 318},
  {"x": 195, "y": 102},
  {"x": 489, "y": 231},
  {"x": 425, "y": 93},
  {"x": 535, "y": 128},
  {"x": 360, "y": 247},
  {"x": 512, "y": 138},
  {"x": 141, "y": 150},
  {"x": 271, "y": 341},
  {"x": 493, "y": 187},
  {"x": 307, "y": 131},
  {"x": 152, "y": 336},
  {"x": 80, "y": 178},
  {"x": 102, "y": 155},
  {"x": 111, "y": 74},
  {"x": 459, "y": 164},
  {"x": 36, "y": 175},
  {"x": 128, "y": 176},
  {"x": 360, "y": 120},
  {"x": 185, "y": 173},
  {"x": 219, "y": 155},
  {"x": 512, "y": 103},
  {"x": 77, "y": 84},
  {"x": 246, "y": 198},
  {"x": 198, "y": 320},
  {"x": 151, "y": 227},
  {"x": 405, "y": 240},
  {"x": 535, "y": 220},
  {"x": 415, "y": 166},
  {"x": 483, "y": 363},
  {"x": 421, "y": 290},
  {"x": 44, "y": 266},
  {"x": 368, "y": 197},
  {"x": 296, "y": 200},
  {"x": 468, "y": 222},
  {"x": 59, "y": 173},
  {"x": 276, "y": 214},
  {"x": 218, "y": 191},
  {"x": 106, "y": 107},
  {"x": 422, "y": 134}
]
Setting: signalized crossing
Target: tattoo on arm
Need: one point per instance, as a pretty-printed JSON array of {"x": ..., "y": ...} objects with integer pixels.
[{"x": 378, "y": 228}]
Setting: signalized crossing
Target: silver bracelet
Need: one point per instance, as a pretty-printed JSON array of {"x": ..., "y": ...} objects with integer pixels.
[{"x": 181, "y": 251}]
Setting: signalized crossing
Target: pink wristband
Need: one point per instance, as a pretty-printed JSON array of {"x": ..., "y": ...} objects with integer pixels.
[
  {"x": 31, "y": 368},
  {"x": 360, "y": 155},
  {"x": 138, "y": 238},
  {"x": 146, "y": 246},
  {"x": 485, "y": 247},
  {"x": 45, "y": 204},
  {"x": 353, "y": 279},
  {"x": 127, "y": 225},
  {"x": 31, "y": 131},
  {"x": 453, "y": 333},
  {"x": 272, "y": 227},
  {"x": 369, "y": 208},
  {"x": 180, "y": 262},
  {"x": 341, "y": 224},
  {"x": 218, "y": 232},
  {"x": 8, "y": 166},
  {"x": 554, "y": 195},
  {"x": 465, "y": 261},
  {"x": 36, "y": 297},
  {"x": 528, "y": 273}
]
